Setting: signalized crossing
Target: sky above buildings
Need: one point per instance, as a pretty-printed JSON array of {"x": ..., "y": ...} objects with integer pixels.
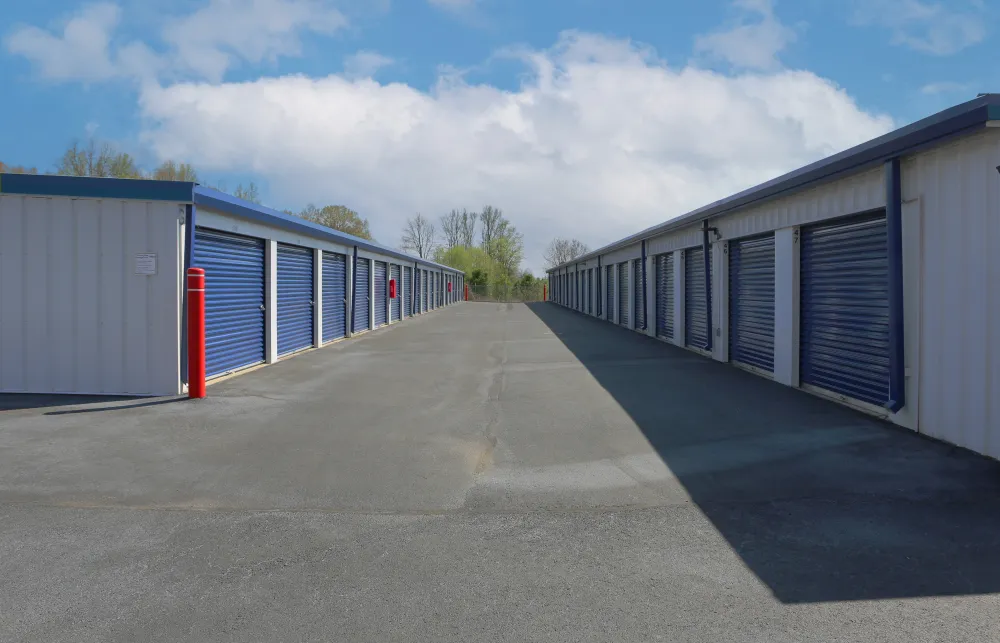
[{"x": 585, "y": 118}]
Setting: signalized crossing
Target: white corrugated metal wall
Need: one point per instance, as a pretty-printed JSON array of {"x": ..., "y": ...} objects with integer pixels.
[
  {"x": 951, "y": 225},
  {"x": 75, "y": 317},
  {"x": 955, "y": 191}
]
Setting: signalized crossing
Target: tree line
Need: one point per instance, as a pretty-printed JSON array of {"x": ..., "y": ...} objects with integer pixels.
[
  {"x": 103, "y": 160},
  {"x": 485, "y": 245}
]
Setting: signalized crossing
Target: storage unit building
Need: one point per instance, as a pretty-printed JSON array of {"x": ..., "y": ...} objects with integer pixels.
[
  {"x": 92, "y": 288},
  {"x": 867, "y": 278}
]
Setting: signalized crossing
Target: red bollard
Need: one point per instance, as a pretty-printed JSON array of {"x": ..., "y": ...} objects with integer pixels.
[
  {"x": 545, "y": 292},
  {"x": 196, "y": 332},
  {"x": 466, "y": 292}
]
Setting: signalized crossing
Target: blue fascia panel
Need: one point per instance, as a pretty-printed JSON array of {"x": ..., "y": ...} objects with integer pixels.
[
  {"x": 96, "y": 188},
  {"x": 958, "y": 120},
  {"x": 209, "y": 198}
]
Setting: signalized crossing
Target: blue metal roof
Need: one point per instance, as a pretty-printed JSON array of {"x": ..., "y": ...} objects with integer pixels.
[
  {"x": 186, "y": 192},
  {"x": 222, "y": 202},
  {"x": 955, "y": 121}
]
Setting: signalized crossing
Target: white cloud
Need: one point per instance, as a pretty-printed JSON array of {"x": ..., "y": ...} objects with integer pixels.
[
  {"x": 452, "y": 4},
  {"x": 754, "y": 42},
  {"x": 364, "y": 64},
  {"x": 213, "y": 39},
  {"x": 927, "y": 27},
  {"x": 945, "y": 87},
  {"x": 80, "y": 52},
  {"x": 206, "y": 43},
  {"x": 601, "y": 140}
]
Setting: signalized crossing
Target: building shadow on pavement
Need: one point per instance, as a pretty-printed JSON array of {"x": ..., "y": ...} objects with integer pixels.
[
  {"x": 87, "y": 403},
  {"x": 821, "y": 502}
]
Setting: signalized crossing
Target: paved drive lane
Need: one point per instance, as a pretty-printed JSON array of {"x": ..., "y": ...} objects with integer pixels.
[{"x": 490, "y": 473}]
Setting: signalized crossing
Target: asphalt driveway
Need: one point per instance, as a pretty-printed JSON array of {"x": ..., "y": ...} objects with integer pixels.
[{"x": 494, "y": 473}]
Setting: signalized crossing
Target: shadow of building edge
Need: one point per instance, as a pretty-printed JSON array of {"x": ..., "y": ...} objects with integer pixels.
[{"x": 820, "y": 502}]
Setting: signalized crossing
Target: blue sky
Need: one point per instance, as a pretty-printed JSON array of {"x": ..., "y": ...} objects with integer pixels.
[{"x": 578, "y": 117}]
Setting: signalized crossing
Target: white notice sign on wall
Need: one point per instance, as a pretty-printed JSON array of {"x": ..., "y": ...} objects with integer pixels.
[{"x": 145, "y": 263}]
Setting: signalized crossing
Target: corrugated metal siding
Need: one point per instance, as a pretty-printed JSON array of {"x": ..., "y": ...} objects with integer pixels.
[
  {"x": 622, "y": 254},
  {"x": 958, "y": 295},
  {"x": 844, "y": 328},
  {"x": 751, "y": 302},
  {"x": 362, "y": 296},
  {"x": 677, "y": 241},
  {"x": 623, "y": 294},
  {"x": 395, "y": 305},
  {"x": 640, "y": 296},
  {"x": 697, "y": 290},
  {"x": 665, "y": 296},
  {"x": 295, "y": 298},
  {"x": 381, "y": 274},
  {"x": 234, "y": 299},
  {"x": 334, "y": 296},
  {"x": 74, "y": 316},
  {"x": 858, "y": 193}
]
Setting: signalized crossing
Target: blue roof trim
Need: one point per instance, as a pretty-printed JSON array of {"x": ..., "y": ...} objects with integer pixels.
[
  {"x": 96, "y": 188},
  {"x": 951, "y": 122},
  {"x": 215, "y": 200}
]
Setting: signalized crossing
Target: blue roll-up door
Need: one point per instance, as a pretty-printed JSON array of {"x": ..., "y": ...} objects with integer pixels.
[
  {"x": 590, "y": 291},
  {"x": 665, "y": 296},
  {"x": 640, "y": 296},
  {"x": 396, "y": 305},
  {"x": 362, "y": 296},
  {"x": 407, "y": 295},
  {"x": 295, "y": 298},
  {"x": 598, "y": 300},
  {"x": 418, "y": 291},
  {"x": 751, "y": 302},
  {"x": 334, "y": 296},
  {"x": 697, "y": 290},
  {"x": 234, "y": 299},
  {"x": 381, "y": 274},
  {"x": 610, "y": 295},
  {"x": 623, "y": 298},
  {"x": 844, "y": 331}
]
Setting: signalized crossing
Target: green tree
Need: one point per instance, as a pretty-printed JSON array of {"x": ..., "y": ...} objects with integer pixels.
[
  {"x": 465, "y": 259},
  {"x": 338, "y": 217},
  {"x": 171, "y": 171},
  {"x": 99, "y": 161}
]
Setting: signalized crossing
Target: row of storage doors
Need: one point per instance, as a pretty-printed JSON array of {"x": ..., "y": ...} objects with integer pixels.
[
  {"x": 844, "y": 305},
  {"x": 235, "y": 309}
]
